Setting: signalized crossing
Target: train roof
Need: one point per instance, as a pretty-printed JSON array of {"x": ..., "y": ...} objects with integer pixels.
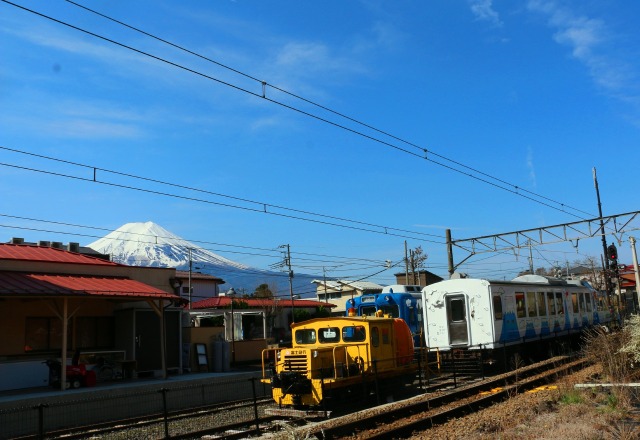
[
  {"x": 521, "y": 280},
  {"x": 334, "y": 319},
  {"x": 402, "y": 288}
]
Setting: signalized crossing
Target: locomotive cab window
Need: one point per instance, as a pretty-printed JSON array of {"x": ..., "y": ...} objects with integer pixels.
[
  {"x": 354, "y": 333},
  {"x": 391, "y": 311},
  {"x": 375, "y": 336},
  {"x": 497, "y": 308},
  {"x": 329, "y": 335},
  {"x": 306, "y": 336},
  {"x": 368, "y": 311}
]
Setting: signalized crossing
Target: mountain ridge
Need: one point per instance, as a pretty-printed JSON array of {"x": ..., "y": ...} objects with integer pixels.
[{"x": 148, "y": 244}]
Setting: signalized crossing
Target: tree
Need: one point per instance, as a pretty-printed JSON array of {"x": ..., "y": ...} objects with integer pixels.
[
  {"x": 263, "y": 291},
  {"x": 415, "y": 262}
]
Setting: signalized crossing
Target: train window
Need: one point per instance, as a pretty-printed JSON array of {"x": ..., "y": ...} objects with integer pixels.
[
  {"x": 542, "y": 310},
  {"x": 306, "y": 336},
  {"x": 385, "y": 336},
  {"x": 520, "y": 310},
  {"x": 581, "y": 300},
  {"x": 559, "y": 305},
  {"x": 532, "y": 309},
  {"x": 368, "y": 311},
  {"x": 354, "y": 333},
  {"x": 551, "y": 304},
  {"x": 497, "y": 308},
  {"x": 456, "y": 310},
  {"x": 375, "y": 336},
  {"x": 329, "y": 335},
  {"x": 587, "y": 298},
  {"x": 391, "y": 311},
  {"x": 574, "y": 301}
]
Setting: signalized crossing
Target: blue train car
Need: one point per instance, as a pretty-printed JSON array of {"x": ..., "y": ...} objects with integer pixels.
[{"x": 397, "y": 301}]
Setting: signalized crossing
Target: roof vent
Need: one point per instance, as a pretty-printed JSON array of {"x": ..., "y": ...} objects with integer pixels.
[
  {"x": 43, "y": 243},
  {"x": 57, "y": 245},
  {"x": 73, "y": 247},
  {"x": 16, "y": 240}
]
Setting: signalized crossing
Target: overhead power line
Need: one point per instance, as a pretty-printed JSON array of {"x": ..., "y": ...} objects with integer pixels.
[
  {"x": 418, "y": 151},
  {"x": 334, "y": 259},
  {"x": 259, "y": 207}
]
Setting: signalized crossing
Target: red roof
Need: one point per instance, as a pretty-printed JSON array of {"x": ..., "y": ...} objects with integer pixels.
[
  {"x": 220, "y": 302},
  {"x": 34, "y": 284},
  {"x": 23, "y": 252}
]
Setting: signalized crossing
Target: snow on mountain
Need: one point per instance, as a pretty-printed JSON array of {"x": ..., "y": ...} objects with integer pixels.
[{"x": 148, "y": 244}]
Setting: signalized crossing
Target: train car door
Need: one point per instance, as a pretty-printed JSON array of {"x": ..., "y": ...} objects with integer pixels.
[{"x": 457, "y": 320}]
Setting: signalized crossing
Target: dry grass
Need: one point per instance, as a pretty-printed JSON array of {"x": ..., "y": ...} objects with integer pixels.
[{"x": 561, "y": 410}]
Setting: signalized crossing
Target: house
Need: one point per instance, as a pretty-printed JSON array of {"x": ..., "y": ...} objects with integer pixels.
[
  {"x": 202, "y": 285},
  {"x": 250, "y": 324},
  {"x": 337, "y": 292},
  {"x": 421, "y": 278},
  {"x": 55, "y": 302}
]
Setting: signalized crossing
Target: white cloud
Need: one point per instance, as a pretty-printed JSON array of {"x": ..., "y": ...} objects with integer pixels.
[
  {"x": 483, "y": 11},
  {"x": 531, "y": 168},
  {"x": 590, "y": 43}
]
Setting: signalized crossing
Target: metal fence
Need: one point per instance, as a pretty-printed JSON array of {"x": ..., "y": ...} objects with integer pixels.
[{"x": 152, "y": 412}]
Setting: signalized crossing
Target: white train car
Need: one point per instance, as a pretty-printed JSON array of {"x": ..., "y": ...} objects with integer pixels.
[{"x": 477, "y": 313}]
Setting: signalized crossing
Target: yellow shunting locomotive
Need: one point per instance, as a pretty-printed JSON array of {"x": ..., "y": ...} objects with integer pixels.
[{"x": 330, "y": 356}]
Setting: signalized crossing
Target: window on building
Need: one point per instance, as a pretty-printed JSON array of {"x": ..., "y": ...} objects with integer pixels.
[
  {"x": 43, "y": 334},
  {"x": 95, "y": 332}
]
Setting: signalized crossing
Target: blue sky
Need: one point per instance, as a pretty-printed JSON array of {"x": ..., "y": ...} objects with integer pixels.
[{"x": 532, "y": 93}]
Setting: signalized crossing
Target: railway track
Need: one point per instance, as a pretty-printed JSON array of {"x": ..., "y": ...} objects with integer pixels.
[{"x": 400, "y": 420}]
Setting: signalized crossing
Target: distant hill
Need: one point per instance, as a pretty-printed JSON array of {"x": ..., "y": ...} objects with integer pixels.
[{"x": 150, "y": 245}]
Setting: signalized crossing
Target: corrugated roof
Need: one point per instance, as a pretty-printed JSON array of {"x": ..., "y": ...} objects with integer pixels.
[
  {"x": 34, "y": 284},
  {"x": 221, "y": 302},
  {"x": 184, "y": 274},
  {"x": 23, "y": 252}
]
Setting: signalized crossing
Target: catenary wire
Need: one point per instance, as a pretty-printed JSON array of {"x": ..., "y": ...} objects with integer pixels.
[
  {"x": 423, "y": 155},
  {"x": 323, "y": 107}
]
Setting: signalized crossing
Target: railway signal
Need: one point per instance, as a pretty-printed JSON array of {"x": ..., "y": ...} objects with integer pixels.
[{"x": 612, "y": 254}]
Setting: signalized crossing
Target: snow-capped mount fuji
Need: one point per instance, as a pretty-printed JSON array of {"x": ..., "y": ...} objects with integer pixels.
[{"x": 148, "y": 244}]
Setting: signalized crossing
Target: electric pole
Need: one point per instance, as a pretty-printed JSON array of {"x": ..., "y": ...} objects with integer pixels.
[{"x": 607, "y": 281}]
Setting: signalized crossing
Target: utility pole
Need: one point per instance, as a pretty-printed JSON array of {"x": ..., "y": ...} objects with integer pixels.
[
  {"x": 190, "y": 269},
  {"x": 607, "y": 281},
  {"x": 406, "y": 264},
  {"x": 287, "y": 262},
  {"x": 324, "y": 278}
]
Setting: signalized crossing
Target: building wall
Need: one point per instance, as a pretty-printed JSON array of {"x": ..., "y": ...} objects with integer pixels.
[{"x": 13, "y": 315}]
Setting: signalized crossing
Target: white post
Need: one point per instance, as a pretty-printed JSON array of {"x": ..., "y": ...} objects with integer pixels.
[{"x": 632, "y": 240}]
